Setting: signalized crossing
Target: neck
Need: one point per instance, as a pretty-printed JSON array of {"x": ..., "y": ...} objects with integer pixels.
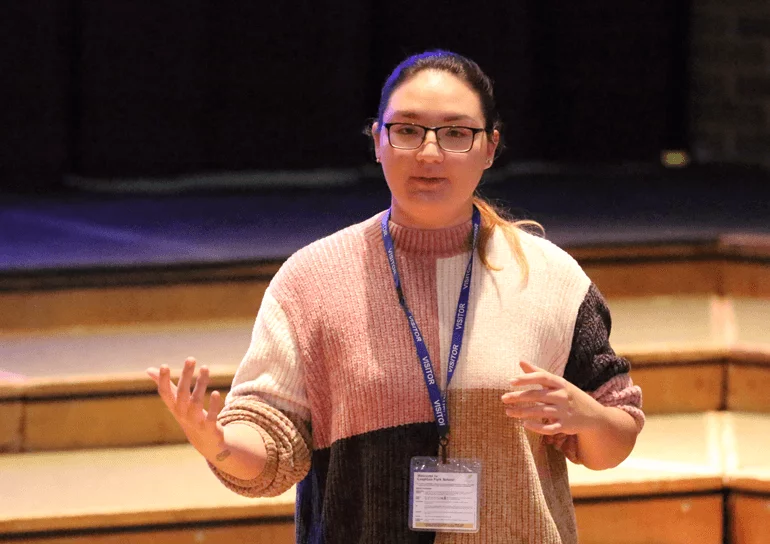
[{"x": 431, "y": 220}]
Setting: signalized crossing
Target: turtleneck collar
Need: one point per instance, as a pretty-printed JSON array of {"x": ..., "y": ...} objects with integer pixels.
[{"x": 432, "y": 242}]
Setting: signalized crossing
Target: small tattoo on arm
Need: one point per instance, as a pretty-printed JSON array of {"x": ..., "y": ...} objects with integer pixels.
[{"x": 222, "y": 455}]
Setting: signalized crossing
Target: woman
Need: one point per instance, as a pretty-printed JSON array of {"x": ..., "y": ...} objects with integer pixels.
[{"x": 343, "y": 389}]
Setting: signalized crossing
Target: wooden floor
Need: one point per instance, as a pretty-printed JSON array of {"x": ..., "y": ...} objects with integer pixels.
[{"x": 78, "y": 466}]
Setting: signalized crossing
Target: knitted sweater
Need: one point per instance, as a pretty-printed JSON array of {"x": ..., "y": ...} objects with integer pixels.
[{"x": 333, "y": 384}]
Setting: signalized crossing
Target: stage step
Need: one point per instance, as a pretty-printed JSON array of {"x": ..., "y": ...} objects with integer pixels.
[
  {"x": 681, "y": 470},
  {"x": 135, "y": 493},
  {"x": 672, "y": 488},
  {"x": 730, "y": 264},
  {"x": 70, "y": 298},
  {"x": 82, "y": 388},
  {"x": 696, "y": 353},
  {"x": 737, "y": 266}
]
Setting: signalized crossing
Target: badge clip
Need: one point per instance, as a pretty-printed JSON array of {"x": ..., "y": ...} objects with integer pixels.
[{"x": 444, "y": 443}]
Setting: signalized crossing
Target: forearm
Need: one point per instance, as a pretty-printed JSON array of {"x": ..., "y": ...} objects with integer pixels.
[
  {"x": 609, "y": 442},
  {"x": 241, "y": 453}
]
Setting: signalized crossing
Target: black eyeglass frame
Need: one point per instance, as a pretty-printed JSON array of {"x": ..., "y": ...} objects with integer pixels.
[{"x": 435, "y": 130}]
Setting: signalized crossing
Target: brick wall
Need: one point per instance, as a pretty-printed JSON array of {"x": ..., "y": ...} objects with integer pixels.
[{"x": 730, "y": 81}]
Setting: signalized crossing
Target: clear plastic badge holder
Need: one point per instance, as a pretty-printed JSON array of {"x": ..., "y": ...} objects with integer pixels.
[{"x": 444, "y": 497}]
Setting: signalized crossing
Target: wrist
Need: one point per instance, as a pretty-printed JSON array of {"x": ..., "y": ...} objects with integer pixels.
[
  {"x": 597, "y": 419},
  {"x": 208, "y": 444},
  {"x": 241, "y": 452},
  {"x": 608, "y": 441}
]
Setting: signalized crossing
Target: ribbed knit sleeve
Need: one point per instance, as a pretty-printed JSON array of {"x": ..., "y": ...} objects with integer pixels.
[
  {"x": 268, "y": 394},
  {"x": 593, "y": 366},
  {"x": 592, "y": 361}
]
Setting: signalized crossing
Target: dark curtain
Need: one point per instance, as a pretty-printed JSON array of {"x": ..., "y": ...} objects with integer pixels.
[
  {"x": 35, "y": 83},
  {"x": 611, "y": 78},
  {"x": 123, "y": 89}
]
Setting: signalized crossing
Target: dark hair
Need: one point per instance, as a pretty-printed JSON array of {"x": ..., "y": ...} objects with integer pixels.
[{"x": 445, "y": 61}]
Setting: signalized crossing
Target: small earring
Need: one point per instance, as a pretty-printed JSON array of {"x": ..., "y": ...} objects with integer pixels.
[
  {"x": 377, "y": 159},
  {"x": 489, "y": 161}
]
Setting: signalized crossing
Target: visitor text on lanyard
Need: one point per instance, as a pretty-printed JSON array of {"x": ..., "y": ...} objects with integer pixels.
[{"x": 437, "y": 399}]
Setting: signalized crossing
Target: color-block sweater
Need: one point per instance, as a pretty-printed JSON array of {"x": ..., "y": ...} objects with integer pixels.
[{"x": 333, "y": 384}]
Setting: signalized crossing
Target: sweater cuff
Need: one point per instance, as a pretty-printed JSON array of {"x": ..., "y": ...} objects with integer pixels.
[
  {"x": 620, "y": 392},
  {"x": 256, "y": 486},
  {"x": 287, "y": 448}
]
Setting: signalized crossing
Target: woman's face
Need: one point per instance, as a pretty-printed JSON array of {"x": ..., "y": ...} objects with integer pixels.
[{"x": 430, "y": 187}]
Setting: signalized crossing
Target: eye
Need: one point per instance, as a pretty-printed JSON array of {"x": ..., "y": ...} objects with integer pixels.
[
  {"x": 458, "y": 132},
  {"x": 406, "y": 130}
]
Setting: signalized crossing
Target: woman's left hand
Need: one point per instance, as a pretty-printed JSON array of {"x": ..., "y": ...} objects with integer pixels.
[{"x": 558, "y": 406}]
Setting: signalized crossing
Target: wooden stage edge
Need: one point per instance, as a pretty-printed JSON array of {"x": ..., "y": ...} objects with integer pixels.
[
  {"x": 113, "y": 385},
  {"x": 44, "y": 299},
  {"x": 39, "y": 416}
]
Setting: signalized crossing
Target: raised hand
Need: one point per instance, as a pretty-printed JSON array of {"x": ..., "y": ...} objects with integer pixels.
[
  {"x": 199, "y": 425},
  {"x": 557, "y": 406}
]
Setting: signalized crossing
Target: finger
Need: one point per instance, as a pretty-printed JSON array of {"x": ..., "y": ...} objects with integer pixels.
[
  {"x": 529, "y": 368},
  {"x": 525, "y": 412},
  {"x": 544, "y": 379},
  {"x": 183, "y": 388},
  {"x": 166, "y": 389},
  {"x": 543, "y": 428},
  {"x": 216, "y": 403},
  {"x": 153, "y": 373},
  {"x": 545, "y": 396},
  {"x": 199, "y": 392}
]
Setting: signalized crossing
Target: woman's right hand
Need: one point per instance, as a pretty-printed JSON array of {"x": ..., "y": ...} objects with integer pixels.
[{"x": 200, "y": 426}]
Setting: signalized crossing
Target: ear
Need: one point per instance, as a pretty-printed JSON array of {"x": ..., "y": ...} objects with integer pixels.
[
  {"x": 376, "y": 138},
  {"x": 492, "y": 144}
]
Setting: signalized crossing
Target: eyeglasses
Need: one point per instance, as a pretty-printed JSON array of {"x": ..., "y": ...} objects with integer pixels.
[{"x": 450, "y": 138}]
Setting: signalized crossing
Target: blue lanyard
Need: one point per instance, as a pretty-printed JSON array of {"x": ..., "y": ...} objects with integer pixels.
[{"x": 437, "y": 399}]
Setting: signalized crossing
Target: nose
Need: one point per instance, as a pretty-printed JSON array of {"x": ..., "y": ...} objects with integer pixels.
[{"x": 430, "y": 151}]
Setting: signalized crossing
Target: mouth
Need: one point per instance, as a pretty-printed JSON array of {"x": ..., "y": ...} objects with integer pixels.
[{"x": 428, "y": 179}]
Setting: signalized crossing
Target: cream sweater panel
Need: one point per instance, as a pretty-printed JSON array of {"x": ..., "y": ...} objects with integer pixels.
[{"x": 508, "y": 321}]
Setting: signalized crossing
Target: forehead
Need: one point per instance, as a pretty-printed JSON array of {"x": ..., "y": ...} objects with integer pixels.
[{"x": 434, "y": 95}]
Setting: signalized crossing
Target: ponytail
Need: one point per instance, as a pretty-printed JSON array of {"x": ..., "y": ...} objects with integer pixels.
[{"x": 493, "y": 216}]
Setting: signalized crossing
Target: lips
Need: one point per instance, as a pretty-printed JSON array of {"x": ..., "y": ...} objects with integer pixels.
[{"x": 428, "y": 179}]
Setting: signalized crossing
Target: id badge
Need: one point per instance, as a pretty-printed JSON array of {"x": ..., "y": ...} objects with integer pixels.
[{"x": 444, "y": 497}]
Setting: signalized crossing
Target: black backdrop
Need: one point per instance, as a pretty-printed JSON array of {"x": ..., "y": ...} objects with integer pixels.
[{"x": 124, "y": 88}]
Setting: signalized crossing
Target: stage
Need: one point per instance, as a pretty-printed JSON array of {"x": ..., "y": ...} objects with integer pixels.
[{"x": 96, "y": 286}]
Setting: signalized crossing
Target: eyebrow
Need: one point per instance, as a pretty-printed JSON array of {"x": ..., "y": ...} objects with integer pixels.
[{"x": 446, "y": 118}]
